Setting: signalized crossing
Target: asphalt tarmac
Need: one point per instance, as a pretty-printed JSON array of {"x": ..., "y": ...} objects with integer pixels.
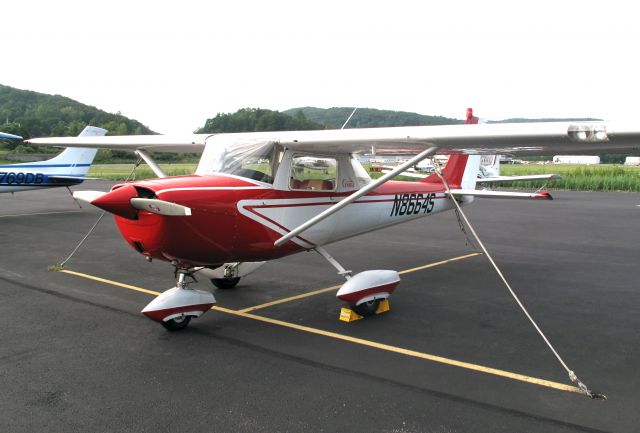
[{"x": 76, "y": 355}]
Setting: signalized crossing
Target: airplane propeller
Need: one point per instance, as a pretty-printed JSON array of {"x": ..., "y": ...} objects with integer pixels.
[{"x": 153, "y": 205}]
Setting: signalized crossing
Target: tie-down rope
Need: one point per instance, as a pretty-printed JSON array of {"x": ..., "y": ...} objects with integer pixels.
[
  {"x": 572, "y": 375},
  {"x": 59, "y": 266}
]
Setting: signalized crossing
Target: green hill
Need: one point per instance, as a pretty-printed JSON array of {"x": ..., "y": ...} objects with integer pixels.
[
  {"x": 335, "y": 117},
  {"x": 33, "y": 114},
  {"x": 258, "y": 119}
]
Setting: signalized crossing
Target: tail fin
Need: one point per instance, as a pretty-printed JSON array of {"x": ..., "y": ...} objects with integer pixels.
[
  {"x": 489, "y": 164},
  {"x": 71, "y": 161},
  {"x": 461, "y": 170},
  {"x": 471, "y": 119}
]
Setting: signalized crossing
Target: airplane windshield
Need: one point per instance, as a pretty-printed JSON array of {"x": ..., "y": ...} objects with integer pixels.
[{"x": 255, "y": 160}]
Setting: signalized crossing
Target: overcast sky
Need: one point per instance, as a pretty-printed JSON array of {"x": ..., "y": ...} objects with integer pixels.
[{"x": 173, "y": 64}]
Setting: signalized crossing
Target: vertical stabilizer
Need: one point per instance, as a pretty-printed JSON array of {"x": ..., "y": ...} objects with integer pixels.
[
  {"x": 71, "y": 161},
  {"x": 471, "y": 119},
  {"x": 461, "y": 170}
]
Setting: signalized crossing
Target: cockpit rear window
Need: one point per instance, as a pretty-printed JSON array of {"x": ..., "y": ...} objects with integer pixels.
[{"x": 313, "y": 173}]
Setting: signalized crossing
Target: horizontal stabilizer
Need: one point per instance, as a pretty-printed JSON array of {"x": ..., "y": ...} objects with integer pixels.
[
  {"x": 520, "y": 178},
  {"x": 501, "y": 194},
  {"x": 160, "y": 207}
]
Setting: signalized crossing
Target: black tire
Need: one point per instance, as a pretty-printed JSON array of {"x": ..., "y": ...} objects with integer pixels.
[
  {"x": 176, "y": 324},
  {"x": 367, "y": 308},
  {"x": 225, "y": 283}
]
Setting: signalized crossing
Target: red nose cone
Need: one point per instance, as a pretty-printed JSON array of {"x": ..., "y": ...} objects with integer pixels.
[{"x": 118, "y": 202}]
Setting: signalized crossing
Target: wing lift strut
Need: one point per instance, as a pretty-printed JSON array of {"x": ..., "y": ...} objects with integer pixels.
[{"x": 572, "y": 376}]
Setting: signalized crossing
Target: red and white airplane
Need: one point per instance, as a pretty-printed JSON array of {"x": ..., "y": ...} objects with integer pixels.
[{"x": 254, "y": 196}]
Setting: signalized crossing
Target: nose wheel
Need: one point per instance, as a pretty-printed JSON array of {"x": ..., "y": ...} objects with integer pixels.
[
  {"x": 175, "y": 308},
  {"x": 177, "y": 323}
]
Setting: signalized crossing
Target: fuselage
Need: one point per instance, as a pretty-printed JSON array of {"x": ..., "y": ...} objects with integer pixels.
[
  {"x": 245, "y": 196},
  {"x": 24, "y": 177},
  {"x": 236, "y": 220}
]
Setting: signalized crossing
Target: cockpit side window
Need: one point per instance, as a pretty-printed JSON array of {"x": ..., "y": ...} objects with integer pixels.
[{"x": 313, "y": 173}]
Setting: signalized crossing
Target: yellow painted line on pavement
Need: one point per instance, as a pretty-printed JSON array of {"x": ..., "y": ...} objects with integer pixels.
[
  {"x": 291, "y": 298},
  {"x": 40, "y": 213},
  {"x": 407, "y": 352},
  {"x": 113, "y": 283},
  {"x": 443, "y": 262},
  {"x": 332, "y": 288},
  {"x": 360, "y": 341}
]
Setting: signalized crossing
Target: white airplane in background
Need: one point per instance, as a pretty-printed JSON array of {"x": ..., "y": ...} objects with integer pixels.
[
  {"x": 68, "y": 168},
  {"x": 490, "y": 172}
]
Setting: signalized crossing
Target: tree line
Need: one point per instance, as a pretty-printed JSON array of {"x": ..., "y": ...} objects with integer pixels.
[{"x": 33, "y": 114}]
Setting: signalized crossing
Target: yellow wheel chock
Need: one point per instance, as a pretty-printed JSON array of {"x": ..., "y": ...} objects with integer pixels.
[{"x": 348, "y": 315}]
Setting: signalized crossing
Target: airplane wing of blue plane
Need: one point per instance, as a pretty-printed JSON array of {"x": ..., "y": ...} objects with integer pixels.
[
  {"x": 5, "y": 136},
  {"x": 68, "y": 168}
]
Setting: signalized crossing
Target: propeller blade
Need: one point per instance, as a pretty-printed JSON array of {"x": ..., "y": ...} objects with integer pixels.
[
  {"x": 160, "y": 207},
  {"x": 87, "y": 196}
]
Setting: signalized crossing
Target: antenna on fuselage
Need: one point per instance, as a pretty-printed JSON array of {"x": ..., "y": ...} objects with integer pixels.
[{"x": 350, "y": 116}]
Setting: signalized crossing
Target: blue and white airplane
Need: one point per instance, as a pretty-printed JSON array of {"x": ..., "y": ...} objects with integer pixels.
[{"x": 68, "y": 168}]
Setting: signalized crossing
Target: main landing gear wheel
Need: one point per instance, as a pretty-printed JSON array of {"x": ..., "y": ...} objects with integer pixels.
[
  {"x": 367, "y": 308},
  {"x": 225, "y": 283},
  {"x": 176, "y": 324}
]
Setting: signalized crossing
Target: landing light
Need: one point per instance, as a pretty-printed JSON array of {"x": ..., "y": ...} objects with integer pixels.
[{"x": 588, "y": 133}]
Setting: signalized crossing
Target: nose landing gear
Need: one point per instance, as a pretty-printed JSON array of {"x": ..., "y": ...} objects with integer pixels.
[{"x": 175, "y": 308}]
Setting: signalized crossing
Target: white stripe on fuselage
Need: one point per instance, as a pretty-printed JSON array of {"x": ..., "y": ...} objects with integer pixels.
[{"x": 366, "y": 214}]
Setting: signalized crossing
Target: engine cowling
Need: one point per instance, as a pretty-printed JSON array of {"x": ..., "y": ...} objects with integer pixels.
[{"x": 369, "y": 286}]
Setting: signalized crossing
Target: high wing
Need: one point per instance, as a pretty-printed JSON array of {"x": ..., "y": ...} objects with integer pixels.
[
  {"x": 160, "y": 143},
  {"x": 520, "y": 138}
]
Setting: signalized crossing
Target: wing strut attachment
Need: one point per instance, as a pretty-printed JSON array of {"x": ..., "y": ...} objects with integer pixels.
[
  {"x": 572, "y": 376},
  {"x": 355, "y": 196},
  {"x": 151, "y": 163},
  {"x": 341, "y": 271}
]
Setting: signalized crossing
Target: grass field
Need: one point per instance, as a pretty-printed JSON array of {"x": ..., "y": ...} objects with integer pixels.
[
  {"x": 122, "y": 171},
  {"x": 574, "y": 177},
  {"x": 603, "y": 177}
]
